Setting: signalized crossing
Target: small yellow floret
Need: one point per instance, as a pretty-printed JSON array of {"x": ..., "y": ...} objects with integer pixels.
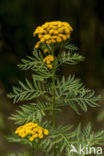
[
  {"x": 42, "y": 40},
  {"x": 48, "y": 42},
  {"x": 31, "y": 138},
  {"x": 40, "y": 136},
  {"x": 47, "y": 37},
  {"x": 40, "y": 36},
  {"x": 59, "y": 39},
  {"x": 46, "y": 132},
  {"x": 37, "y": 45},
  {"x": 56, "y": 32},
  {"x": 46, "y": 50},
  {"x": 64, "y": 37},
  {"x": 49, "y": 66}
]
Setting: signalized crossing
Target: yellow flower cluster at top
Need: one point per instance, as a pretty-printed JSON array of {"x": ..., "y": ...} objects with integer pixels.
[
  {"x": 32, "y": 130},
  {"x": 52, "y": 32},
  {"x": 48, "y": 59}
]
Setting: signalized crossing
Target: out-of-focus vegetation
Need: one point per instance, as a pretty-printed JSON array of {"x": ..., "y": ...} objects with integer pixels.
[{"x": 18, "y": 19}]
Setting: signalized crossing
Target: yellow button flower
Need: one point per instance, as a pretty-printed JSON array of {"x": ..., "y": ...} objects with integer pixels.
[
  {"x": 46, "y": 50},
  {"x": 47, "y": 37},
  {"x": 40, "y": 136},
  {"x": 59, "y": 39},
  {"x": 46, "y": 132},
  {"x": 48, "y": 42},
  {"x": 42, "y": 40}
]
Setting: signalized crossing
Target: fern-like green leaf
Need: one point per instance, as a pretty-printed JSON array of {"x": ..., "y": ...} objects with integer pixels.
[
  {"x": 27, "y": 91},
  {"x": 72, "y": 92},
  {"x": 69, "y": 58},
  {"x": 60, "y": 138},
  {"x": 32, "y": 112},
  {"x": 36, "y": 64}
]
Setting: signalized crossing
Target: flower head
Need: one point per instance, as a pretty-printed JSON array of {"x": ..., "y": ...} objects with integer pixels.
[
  {"x": 32, "y": 130},
  {"x": 52, "y": 32},
  {"x": 48, "y": 59}
]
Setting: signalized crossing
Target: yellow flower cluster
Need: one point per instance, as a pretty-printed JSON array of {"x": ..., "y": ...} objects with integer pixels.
[
  {"x": 48, "y": 59},
  {"x": 52, "y": 32},
  {"x": 31, "y": 129}
]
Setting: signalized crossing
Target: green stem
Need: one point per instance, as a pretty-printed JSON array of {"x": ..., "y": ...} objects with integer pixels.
[
  {"x": 53, "y": 105},
  {"x": 53, "y": 101},
  {"x": 33, "y": 150}
]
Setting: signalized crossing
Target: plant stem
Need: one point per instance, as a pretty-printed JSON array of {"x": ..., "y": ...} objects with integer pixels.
[
  {"x": 53, "y": 100},
  {"x": 53, "y": 105},
  {"x": 33, "y": 150}
]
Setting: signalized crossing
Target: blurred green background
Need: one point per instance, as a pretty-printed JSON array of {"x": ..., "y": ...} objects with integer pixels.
[{"x": 18, "y": 19}]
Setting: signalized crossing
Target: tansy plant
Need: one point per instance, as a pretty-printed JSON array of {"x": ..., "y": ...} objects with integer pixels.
[{"x": 49, "y": 92}]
